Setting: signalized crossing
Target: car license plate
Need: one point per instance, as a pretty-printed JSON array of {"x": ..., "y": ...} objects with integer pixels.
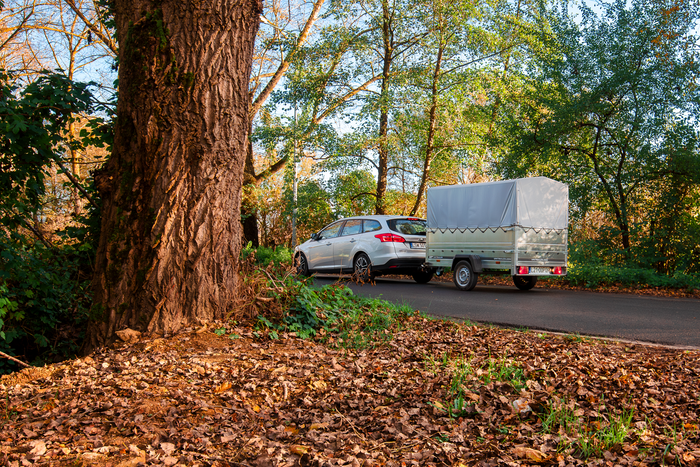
[
  {"x": 418, "y": 245},
  {"x": 539, "y": 270}
]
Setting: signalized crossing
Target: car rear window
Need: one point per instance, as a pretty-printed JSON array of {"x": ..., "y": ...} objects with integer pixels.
[{"x": 409, "y": 226}]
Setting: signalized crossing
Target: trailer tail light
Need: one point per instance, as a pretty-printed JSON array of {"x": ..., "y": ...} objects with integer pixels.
[
  {"x": 390, "y": 237},
  {"x": 523, "y": 270},
  {"x": 557, "y": 270}
]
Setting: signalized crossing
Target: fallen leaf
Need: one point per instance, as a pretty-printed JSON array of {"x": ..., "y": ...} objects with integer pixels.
[
  {"x": 299, "y": 450},
  {"x": 530, "y": 454},
  {"x": 225, "y": 386},
  {"x": 38, "y": 448}
]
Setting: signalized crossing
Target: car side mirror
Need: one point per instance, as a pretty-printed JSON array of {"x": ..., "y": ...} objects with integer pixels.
[{"x": 315, "y": 236}]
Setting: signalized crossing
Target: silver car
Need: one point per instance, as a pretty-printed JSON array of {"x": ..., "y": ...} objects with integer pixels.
[{"x": 366, "y": 247}]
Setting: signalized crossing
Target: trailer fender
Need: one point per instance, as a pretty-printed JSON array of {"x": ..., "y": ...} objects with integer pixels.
[{"x": 474, "y": 260}]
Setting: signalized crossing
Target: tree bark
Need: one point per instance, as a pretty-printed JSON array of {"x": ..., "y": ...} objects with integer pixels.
[
  {"x": 383, "y": 149},
  {"x": 171, "y": 191},
  {"x": 432, "y": 123}
]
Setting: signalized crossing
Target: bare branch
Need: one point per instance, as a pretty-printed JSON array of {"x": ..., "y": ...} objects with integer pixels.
[
  {"x": 94, "y": 28},
  {"x": 9, "y": 357}
]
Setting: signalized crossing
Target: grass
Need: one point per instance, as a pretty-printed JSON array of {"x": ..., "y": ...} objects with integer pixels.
[
  {"x": 466, "y": 374},
  {"x": 584, "y": 436}
]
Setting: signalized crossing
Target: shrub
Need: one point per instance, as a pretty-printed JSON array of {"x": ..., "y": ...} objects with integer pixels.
[
  {"x": 596, "y": 275},
  {"x": 264, "y": 256},
  {"x": 44, "y": 300}
]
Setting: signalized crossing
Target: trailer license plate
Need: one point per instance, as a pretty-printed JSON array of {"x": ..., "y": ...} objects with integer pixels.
[
  {"x": 536, "y": 270},
  {"x": 420, "y": 245}
]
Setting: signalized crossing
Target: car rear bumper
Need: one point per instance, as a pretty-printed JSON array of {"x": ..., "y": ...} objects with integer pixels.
[{"x": 399, "y": 266}]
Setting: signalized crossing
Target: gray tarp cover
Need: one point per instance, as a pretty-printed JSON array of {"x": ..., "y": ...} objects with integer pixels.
[{"x": 538, "y": 202}]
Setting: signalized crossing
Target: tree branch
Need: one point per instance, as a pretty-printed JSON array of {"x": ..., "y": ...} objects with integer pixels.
[
  {"x": 287, "y": 61},
  {"x": 94, "y": 28},
  {"x": 77, "y": 184},
  {"x": 9, "y": 357}
]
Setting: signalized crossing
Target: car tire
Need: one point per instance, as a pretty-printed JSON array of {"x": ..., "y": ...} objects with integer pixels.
[
  {"x": 423, "y": 277},
  {"x": 362, "y": 268},
  {"x": 464, "y": 276},
  {"x": 302, "y": 265},
  {"x": 525, "y": 282}
]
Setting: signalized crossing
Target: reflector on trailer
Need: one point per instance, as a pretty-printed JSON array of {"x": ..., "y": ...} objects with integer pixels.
[
  {"x": 557, "y": 270},
  {"x": 523, "y": 270}
]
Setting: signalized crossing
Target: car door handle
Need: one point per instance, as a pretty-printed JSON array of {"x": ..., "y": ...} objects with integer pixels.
[
  {"x": 328, "y": 244},
  {"x": 353, "y": 240}
]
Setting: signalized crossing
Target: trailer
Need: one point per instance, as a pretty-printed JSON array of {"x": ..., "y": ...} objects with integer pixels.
[{"x": 517, "y": 227}]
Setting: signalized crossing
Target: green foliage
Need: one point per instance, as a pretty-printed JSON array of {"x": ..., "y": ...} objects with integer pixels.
[
  {"x": 359, "y": 322},
  {"x": 589, "y": 266},
  {"x": 44, "y": 285},
  {"x": 466, "y": 374},
  {"x": 333, "y": 310},
  {"x": 32, "y": 136},
  {"x": 44, "y": 300},
  {"x": 608, "y": 106},
  {"x": 264, "y": 256},
  {"x": 592, "y": 275},
  {"x": 585, "y": 436},
  {"x": 7, "y": 309}
]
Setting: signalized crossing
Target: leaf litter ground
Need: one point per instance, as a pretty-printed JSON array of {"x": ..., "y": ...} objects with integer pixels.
[{"x": 438, "y": 393}]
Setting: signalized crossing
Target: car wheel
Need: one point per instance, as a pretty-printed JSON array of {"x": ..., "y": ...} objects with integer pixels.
[
  {"x": 464, "y": 276},
  {"x": 423, "y": 277},
  {"x": 525, "y": 282},
  {"x": 302, "y": 265},
  {"x": 362, "y": 268}
]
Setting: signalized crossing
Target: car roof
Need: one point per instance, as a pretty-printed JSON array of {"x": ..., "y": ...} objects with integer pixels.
[{"x": 381, "y": 216}]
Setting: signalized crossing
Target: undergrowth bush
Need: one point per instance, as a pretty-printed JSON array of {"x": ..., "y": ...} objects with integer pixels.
[
  {"x": 263, "y": 255},
  {"x": 280, "y": 301},
  {"x": 594, "y": 275},
  {"x": 590, "y": 266},
  {"x": 44, "y": 301}
]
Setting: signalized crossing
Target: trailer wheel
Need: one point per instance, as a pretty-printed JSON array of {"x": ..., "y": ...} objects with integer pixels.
[
  {"x": 464, "y": 276},
  {"x": 525, "y": 282}
]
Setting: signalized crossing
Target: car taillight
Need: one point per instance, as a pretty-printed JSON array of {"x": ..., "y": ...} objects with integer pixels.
[
  {"x": 390, "y": 237},
  {"x": 523, "y": 270},
  {"x": 557, "y": 270}
]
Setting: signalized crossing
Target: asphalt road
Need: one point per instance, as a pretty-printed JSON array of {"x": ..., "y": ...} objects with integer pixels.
[{"x": 668, "y": 321}]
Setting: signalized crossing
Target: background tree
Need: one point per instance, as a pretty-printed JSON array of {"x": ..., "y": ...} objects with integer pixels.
[
  {"x": 611, "y": 108},
  {"x": 171, "y": 232},
  {"x": 278, "y": 45}
]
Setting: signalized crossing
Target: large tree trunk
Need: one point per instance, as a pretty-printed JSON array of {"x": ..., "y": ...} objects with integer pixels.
[{"x": 171, "y": 191}]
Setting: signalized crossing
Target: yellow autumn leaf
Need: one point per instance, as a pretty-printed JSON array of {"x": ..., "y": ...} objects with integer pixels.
[
  {"x": 438, "y": 405},
  {"x": 225, "y": 386},
  {"x": 299, "y": 450},
  {"x": 256, "y": 408},
  {"x": 319, "y": 385},
  {"x": 530, "y": 454},
  {"x": 318, "y": 426}
]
